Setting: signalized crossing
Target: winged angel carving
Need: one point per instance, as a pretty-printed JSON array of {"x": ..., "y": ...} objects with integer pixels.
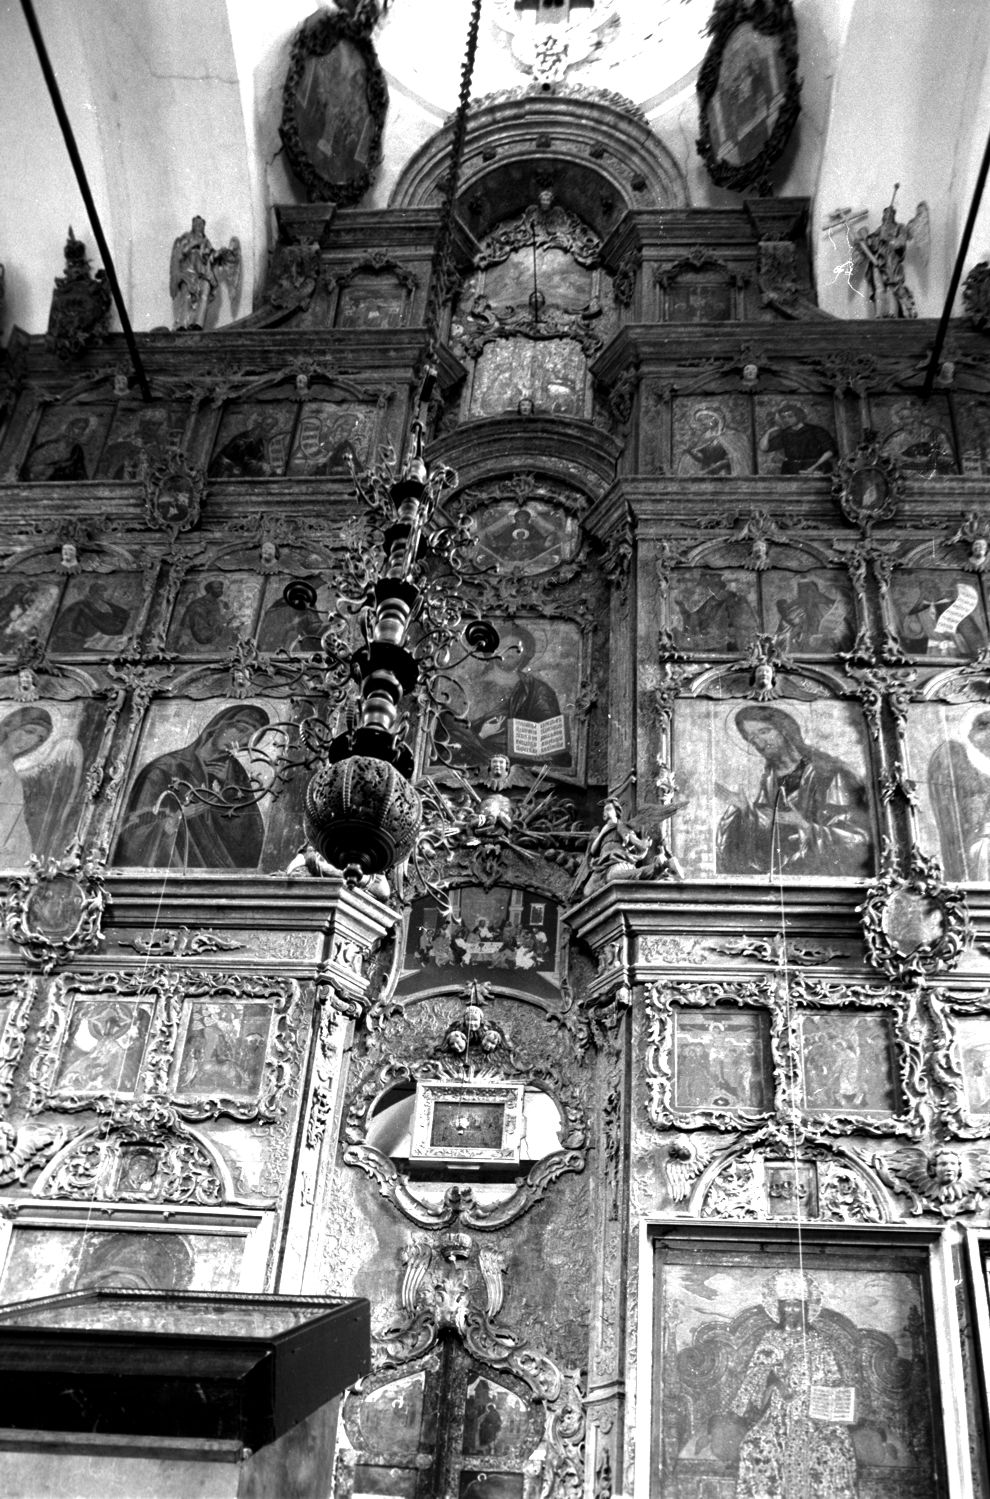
[
  {"x": 948, "y": 1180},
  {"x": 18, "y": 1158},
  {"x": 195, "y": 272},
  {"x": 479, "y": 818},
  {"x": 881, "y": 253}
]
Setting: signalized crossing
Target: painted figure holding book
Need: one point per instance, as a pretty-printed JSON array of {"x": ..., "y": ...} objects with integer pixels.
[{"x": 512, "y": 709}]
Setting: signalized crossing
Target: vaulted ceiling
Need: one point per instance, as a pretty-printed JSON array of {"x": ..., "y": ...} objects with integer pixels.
[{"x": 176, "y": 109}]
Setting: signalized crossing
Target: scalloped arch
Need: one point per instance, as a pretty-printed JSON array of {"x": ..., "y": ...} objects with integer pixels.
[{"x": 601, "y": 159}]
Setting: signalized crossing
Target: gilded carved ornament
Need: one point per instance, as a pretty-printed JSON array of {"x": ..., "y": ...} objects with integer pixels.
[
  {"x": 55, "y": 911},
  {"x": 915, "y": 926}
]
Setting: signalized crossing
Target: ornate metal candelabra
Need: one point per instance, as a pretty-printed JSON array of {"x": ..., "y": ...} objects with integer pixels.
[{"x": 362, "y": 810}]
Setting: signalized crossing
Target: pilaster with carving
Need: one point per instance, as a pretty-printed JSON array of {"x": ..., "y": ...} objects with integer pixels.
[{"x": 356, "y": 926}]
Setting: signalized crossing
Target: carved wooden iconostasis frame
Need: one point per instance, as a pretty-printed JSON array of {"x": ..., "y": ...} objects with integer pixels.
[
  {"x": 977, "y": 1253},
  {"x": 741, "y": 1276},
  {"x": 173, "y": 1054},
  {"x": 467, "y": 1043},
  {"x": 783, "y": 1088}
]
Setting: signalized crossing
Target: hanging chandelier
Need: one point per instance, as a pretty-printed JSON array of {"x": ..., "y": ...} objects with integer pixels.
[{"x": 362, "y": 810}]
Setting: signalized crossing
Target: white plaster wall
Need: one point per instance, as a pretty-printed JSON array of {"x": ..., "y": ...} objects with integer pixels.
[
  {"x": 153, "y": 95},
  {"x": 39, "y": 197},
  {"x": 176, "y": 105},
  {"x": 905, "y": 108}
]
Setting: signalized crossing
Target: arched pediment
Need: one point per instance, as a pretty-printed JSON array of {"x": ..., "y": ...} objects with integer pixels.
[
  {"x": 600, "y": 159},
  {"x": 567, "y": 447}
]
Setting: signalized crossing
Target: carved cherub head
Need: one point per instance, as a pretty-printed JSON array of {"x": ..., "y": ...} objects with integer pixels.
[{"x": 948, "y": 1166}]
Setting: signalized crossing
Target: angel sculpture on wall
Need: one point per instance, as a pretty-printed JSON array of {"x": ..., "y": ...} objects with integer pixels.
[
  {"x": 881, "y": 253},
  {"x": 948, "y": 1179},
  {"x": 633, "y": 850},
  {"x": 195, "y": 273}
]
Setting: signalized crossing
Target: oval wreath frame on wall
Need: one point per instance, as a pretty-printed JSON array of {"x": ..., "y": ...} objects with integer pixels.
[
  {"x": 318, "y": 38},
  {"x": 771, "y": 18}
]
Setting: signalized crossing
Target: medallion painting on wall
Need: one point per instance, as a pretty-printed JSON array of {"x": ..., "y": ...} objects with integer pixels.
[
  {"x": 140, "y": 437},
  {"x": 523, "y": 704},
  {"x": 782, "y": 1378},
  {"x": 201, "y": 795},
  {"x": 68, "y": 443},
  {"x": 45, "y": 751},
  {"x": 795, "y": 436},
  {"x": 502, "y": 936},
  {"x": 722, "y": 610},
  {"x": 712, "y": 437},
  {"x": 548, "y": 375},
  {"x": 916, "y": 434},
  {"x": 948, "y": 757},
  {"x": 773, "y": 789},
  {"x": 334, "y": 105},
  {"x": 938, "y": 614},
  {"x": 747, "y": 91},
  {"x": 524, "y": 537}
]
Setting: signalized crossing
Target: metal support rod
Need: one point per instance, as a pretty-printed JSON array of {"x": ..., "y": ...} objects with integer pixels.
[
  {"x": 967, "y": 235},
  {"x": 87, "y": 196}
]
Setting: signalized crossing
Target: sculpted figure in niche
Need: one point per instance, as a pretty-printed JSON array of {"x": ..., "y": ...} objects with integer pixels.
[
  {"x": 164, "y": 823},
  {"x": 810, "y": 814}
]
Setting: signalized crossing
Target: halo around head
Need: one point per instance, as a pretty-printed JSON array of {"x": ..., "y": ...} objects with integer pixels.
[{"x": 791, "y": 1285}]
